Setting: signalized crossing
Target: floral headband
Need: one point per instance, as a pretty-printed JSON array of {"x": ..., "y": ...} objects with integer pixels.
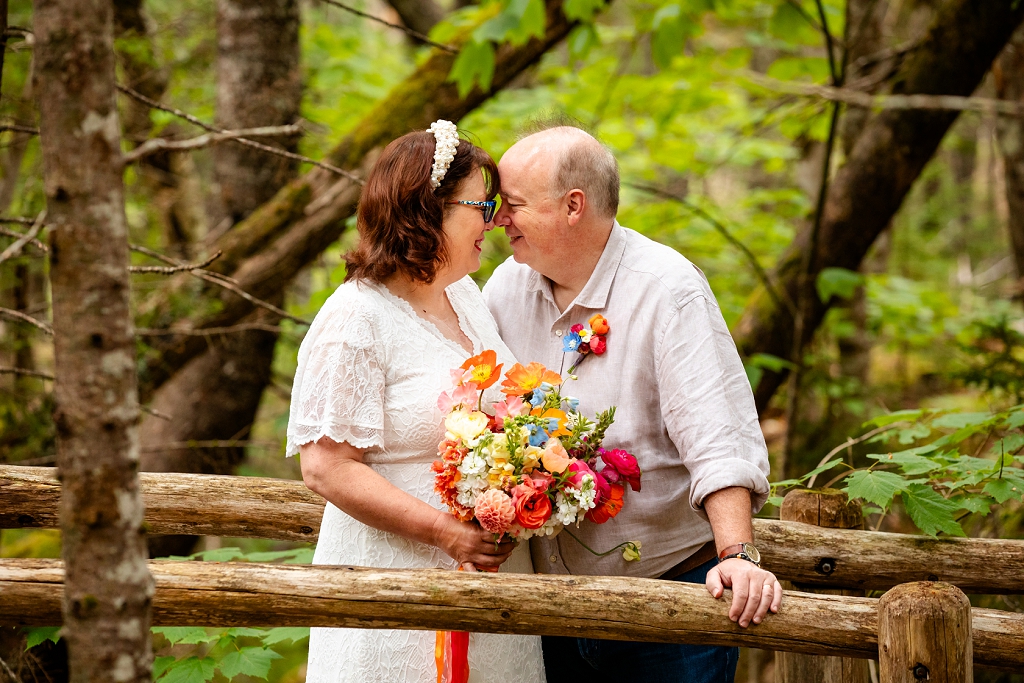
[{"x": 446, "y": 137}]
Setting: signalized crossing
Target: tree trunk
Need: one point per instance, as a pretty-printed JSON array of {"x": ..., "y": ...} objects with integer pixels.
[
  {"x": 886, "y": 160},
  {"x": 258, "y": 84},
  {"x": 419, "y": 15},
  {"x": 266, "y": 250},
  {"x": 1009, "y": 79},
  {"x": 109, "y": 589},
  {"x": 216, "y": 396}
]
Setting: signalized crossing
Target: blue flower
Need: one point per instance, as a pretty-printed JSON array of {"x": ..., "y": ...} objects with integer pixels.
[
  {"x": 537, "y": 435},
  {"x": 574, "y": 403},
  {"x": 552, "y": 425},
  {"x": 571, "y": 342}
]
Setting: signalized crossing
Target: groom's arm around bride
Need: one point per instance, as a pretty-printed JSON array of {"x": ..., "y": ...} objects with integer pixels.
[{"x": 685, "y": 407}]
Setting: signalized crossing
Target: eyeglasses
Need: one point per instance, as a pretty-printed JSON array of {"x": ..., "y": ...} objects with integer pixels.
[{"x": 488, "y": 207}]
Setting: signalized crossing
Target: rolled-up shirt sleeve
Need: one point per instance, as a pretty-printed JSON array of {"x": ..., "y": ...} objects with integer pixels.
[{"x": 708, "y": 406}]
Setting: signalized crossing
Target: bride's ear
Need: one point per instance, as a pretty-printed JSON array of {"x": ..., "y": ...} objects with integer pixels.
[{"x": 576, "y": 204}]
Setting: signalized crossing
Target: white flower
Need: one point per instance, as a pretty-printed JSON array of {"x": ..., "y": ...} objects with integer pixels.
[{"x": 446, "y": 137}]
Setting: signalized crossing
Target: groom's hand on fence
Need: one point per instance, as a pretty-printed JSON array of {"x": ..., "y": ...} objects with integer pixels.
[{"x": 754, "y": 590}]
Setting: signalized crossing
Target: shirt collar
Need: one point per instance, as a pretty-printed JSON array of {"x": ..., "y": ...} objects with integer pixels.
[{"x": 595, "y": 292}]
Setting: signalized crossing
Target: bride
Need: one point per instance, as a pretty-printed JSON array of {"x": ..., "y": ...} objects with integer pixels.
[{"x": 363, "y": 412}]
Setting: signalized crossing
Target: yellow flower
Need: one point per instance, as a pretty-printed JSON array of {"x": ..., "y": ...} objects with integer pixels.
[
  {"x": 531, "y": 458},
  {"x": 464, "y": 425},
  {"x": 631, "y": 552}
]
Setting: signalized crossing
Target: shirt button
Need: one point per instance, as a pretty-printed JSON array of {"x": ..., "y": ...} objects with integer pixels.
[
  {"x": 554, "y": 558},
  {"x": 558, "y": 333}
]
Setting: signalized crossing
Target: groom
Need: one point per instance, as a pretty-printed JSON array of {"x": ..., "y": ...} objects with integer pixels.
[{"x": 685, "y": 407}]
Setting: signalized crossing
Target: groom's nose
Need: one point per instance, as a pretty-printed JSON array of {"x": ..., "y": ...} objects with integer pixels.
[{"x": 502, "y": 216}]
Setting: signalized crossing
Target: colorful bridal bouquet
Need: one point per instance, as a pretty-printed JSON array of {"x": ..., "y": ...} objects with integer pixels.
[{"x": 531, "y": 469}]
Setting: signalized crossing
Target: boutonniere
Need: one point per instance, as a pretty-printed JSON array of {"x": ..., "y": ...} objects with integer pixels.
[{"x": 586, "y": 340}]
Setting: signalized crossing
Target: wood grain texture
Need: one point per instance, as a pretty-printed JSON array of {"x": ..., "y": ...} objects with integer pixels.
[
  {"x": 827, "y": 508},
  {"x": 242, "y": 594},
  {"x": 287, "y": 510},
  {"x": 924, "y": 634}
]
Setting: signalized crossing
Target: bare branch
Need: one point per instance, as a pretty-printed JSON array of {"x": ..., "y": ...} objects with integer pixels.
[
  {"x": 207, "y": 331},
  {"x": 155, "y": 413},
  {"x": 760, "y": 272},
  {"x": 22, "y": 220},
  {"x": 7, "y": 671},
  {"x": 155, "y": 145},
  {"x": 22, "y": 317},
  {"x": 25, "y": 372},
  {"x": 18, "y": 235},
  {"x": 220, "y": 281},
  {"x": 404, "y": 29},
  {"x": 869, "y": 101},
  {"x": 243, "y": 141},
  {"x": 15, "y": 128},
  {"x": 15, "y": 248},
  {"x": 170, "y": 270}
]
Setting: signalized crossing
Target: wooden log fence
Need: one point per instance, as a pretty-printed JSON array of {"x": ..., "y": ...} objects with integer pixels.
[
  {"x": 287, "y": 510},
  {"x": 244, "y": 594}
]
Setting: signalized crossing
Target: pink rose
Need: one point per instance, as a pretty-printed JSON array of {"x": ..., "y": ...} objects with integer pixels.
[
  {"x": 578, "y": 469},
  {"x": 604, "y": 488},
  {"x": 618, "y": 464},
  {"x": 577, "y": 328},
  {"x": 541, "y": 480}
]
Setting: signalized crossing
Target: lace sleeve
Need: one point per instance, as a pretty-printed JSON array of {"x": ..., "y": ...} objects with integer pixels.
[{"x": 339, "y": 383}]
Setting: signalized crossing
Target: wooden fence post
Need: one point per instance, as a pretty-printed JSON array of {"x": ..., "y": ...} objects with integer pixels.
[
  {"x": 924, "y": 634},
  {"x": 832, "y": 509}
]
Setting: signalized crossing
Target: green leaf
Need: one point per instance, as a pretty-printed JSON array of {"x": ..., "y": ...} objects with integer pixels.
[
  {"x": 241, "y": 632},
  {"x": 474, "y": 65},
  {"x": 1014, "y": 420},
  {"x": 912, "y": 434},
  {"x": 1003, "y": 490},
  {"x": 582, "y": 39},
  {"x": 581, "y": 10},
  {"x": 931, "y": 512},
  {"x": 891, "y": 418},
  {"x": 973, "y": 502},
  {"x": 188, "y": 635},
  {"x": 837, "y": 282},
  {"x": 776, "y": 501},
  {"x": 822, "y": 468},
  {"x": 875, "y": 487},
  {"x": 37, "y": 634},
  {"x": 292, "y": 633},
  {"x": 961, "y": 420},
  {"x": 669, "y": 33},
  {"x": 190, "y": 670},
  {"x": 910, "y": 463},
  {"x": 249, "y": 661},
  {"x": 273, "y": 555},
  {"x": 160, "y": 665}
]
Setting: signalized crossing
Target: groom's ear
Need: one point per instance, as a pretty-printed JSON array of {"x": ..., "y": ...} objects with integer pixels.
[{"x": 575, "y": 204}]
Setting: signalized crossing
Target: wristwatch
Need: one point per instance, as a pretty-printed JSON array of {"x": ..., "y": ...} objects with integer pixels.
[{"x": 744, "y": 551}]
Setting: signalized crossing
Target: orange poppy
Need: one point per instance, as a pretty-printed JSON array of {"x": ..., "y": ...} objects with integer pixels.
[
  {"x": 609, "y": 507},
  {"x": 556, "y": 414},
  {"x": 484, "y": 369},
  {"x": 522, "y": 380}
]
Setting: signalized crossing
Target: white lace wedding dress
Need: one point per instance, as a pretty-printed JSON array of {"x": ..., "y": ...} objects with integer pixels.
[{"x": 369, "y": 373}]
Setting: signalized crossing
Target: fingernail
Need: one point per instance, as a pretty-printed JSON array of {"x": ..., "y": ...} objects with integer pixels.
[{"x": 757, "y": 620}]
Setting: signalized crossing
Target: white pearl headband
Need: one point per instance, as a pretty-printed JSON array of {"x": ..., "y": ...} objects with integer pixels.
[{"x": 446, "y": 141}]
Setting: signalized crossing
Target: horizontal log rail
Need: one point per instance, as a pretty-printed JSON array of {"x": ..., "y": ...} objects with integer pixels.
[
  {"x": 287, "y": 510},
  {"x": 618, "y": 608}
]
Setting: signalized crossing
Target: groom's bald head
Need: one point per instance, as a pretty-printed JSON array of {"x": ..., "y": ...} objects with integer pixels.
[{"x": 572, "y": 159}]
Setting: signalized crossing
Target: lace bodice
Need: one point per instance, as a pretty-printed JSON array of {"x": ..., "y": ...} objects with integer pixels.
[{"x": 369, "y": 373}]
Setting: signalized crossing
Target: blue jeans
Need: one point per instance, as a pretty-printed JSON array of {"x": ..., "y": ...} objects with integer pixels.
[{"x": 584, "y": 660}]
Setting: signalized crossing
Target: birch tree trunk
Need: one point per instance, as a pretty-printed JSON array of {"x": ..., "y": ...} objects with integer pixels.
[{"x": 109, "y": 588}]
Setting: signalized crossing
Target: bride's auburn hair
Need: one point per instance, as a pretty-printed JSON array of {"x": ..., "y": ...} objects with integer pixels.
[{"x": 400, "y": 217}]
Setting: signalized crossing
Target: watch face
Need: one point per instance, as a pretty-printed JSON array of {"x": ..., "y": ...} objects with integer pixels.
[{"x": 752, "y": 552}]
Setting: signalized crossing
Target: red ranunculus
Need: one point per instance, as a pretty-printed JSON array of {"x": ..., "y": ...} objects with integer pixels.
[
  {"x": 622, "y": 463},
  {"x": 598, "y": 345},
  {"x": 532, "y": 509},
  {"x": 609, "y": 507}
]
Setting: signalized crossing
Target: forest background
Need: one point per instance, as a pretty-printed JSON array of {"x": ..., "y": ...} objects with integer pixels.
[{"x": 729, "y": 153}]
